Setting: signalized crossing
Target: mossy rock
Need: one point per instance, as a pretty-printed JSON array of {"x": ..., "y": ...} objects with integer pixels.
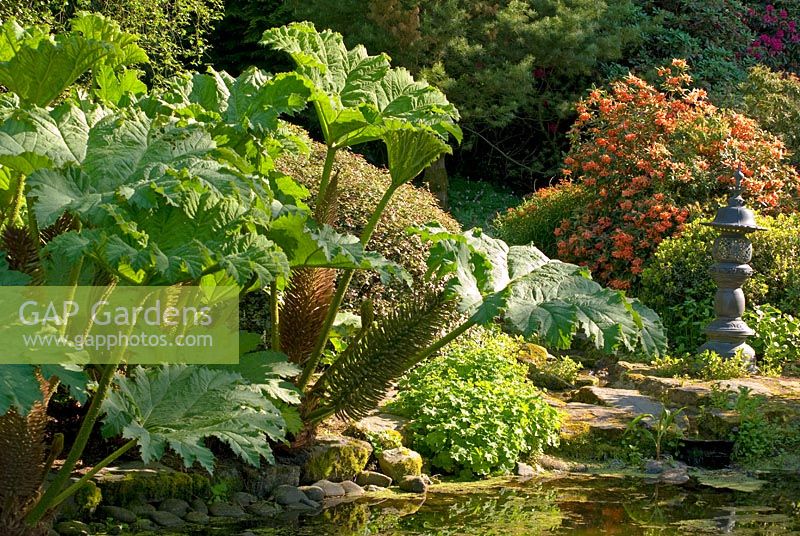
[
  {"x": 335, "y": 458},
  {"x": 361, "y": 186},
  {"x": 590, "y": 432},
  {"x": 121, "y": 487},
  {"x": 385, "y": 431},
  {"x": 399, "y": 462},
  {"x": 85, "y": 501}
]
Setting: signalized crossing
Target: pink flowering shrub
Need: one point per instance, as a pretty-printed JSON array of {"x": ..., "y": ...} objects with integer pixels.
[{"x": 777, "y": 29}]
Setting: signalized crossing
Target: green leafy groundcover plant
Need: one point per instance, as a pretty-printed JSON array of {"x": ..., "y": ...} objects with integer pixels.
[
  {"x": 707, "y": 365},
  {"x": 473, "y": 409}
]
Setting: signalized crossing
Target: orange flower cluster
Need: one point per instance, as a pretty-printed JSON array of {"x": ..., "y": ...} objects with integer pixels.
[{"x": 650, "y": 154}]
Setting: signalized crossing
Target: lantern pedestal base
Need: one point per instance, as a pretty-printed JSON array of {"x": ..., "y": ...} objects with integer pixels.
[{"x": 729, "y": 349}]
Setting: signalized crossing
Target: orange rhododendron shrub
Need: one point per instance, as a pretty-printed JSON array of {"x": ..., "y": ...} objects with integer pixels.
[{"x": 654, "y": 159}]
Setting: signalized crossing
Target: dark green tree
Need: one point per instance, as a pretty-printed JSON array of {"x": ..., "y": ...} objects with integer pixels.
[{"x": 512, "y": 67}]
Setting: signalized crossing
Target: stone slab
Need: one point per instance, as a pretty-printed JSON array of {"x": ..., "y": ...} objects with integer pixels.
[{"x": 628, "y": 400}]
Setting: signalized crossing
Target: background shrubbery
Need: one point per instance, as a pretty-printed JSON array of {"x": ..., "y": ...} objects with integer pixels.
[
  {"x": 536, "y": 219},
  {"x": 649, "y": 159},
  {"x": 773, "y": 99}
]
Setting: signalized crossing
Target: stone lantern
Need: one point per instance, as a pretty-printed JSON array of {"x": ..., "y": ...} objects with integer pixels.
[{"x": 732, "y": 252}]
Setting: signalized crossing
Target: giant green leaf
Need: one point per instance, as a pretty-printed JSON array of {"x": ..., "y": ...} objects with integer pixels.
[
  {"x": 358, "y": 97},
  {"x": 136, "y": 157},
  {"x": 34, "y": 138},
  {"x": 178, "y": 406},
  {"x": 19, "y": 388},
  {"x": 309, "y": 245},
  {"x": 123, "y": 47},
  {"x": 252, "y": 101},
  {"x": 267, "y": 372},
  {"x": 410, "y": 151},
  {"x": 343, "y": 79},
  {"x": 652, "y": 335},
  {"x": 39, "y": 67},
  {"x": 115, "y": 87},
  {"x": 539, "y": 296},
  {"x": 12, "y": 37},
  {"x": 177, "y": 244}
]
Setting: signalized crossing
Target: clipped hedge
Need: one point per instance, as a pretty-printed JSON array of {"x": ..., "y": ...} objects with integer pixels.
[
  {"x": 536, "y": 219},
  {"x": 676, "y": 283}
]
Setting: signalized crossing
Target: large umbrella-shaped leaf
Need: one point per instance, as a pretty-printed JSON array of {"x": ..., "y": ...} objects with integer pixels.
[
  {"x": 39, "y": 67},
  {"x": 34, "y": 138},
  {"x": 308, "y": 245},
  {"x": 359, "y": 97},
  {"x": 178, "y": 406},
  {"x": 123, "y": 47},
  {"x": 252, "y": 101},
  {"x": 174, "y": 244},
  {"x": 132, "y": 156},
  {"x": 20, "y": 388},
  {"x": 410, "y": 151},
  {"x": 539, "y": 296},
  {"x": 40, "y": 74}
]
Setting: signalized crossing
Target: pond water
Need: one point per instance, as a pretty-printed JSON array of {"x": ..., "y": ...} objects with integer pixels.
[{"x": 575, "y": 505}]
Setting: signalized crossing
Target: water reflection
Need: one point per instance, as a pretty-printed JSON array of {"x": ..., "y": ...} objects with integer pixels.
[{"x": 576, "y": 506}]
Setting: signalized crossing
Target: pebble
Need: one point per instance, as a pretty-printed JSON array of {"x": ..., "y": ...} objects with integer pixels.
[
  {"x": 72, "y": 528},
  {"x": 413, "y": 484},
  {"x": 199, "y": 518},
  {"x": 243, "y": 498},
  {"x": 222, "y": 509},
  {"x": 524, "y": 470},
  {"x": 263, "y": 509},
  {"x": 351, "y": 488},
  {"x": 179, "y": 507},
  {"x": 331, "y": 489},
  {"x": 199, "y": 505},
  {"x": 314, "y": 493},
  {"x": 123, "y": 515},
  {"x": 141, "y": 508},
  {"x": 286, "y": 495},
  {"x": 366, "y": 478},
  {"x": 166, "y": 519}
]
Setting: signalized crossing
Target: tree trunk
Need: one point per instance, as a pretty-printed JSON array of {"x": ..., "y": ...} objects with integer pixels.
[{"x": 436, "y": 177}]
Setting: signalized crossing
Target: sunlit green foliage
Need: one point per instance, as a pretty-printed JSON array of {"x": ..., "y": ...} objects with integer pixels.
[
  {"x": 473, "y": 409},
  {"x": 174, "y": 34},
  {"x": 513, "y": 67}
]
